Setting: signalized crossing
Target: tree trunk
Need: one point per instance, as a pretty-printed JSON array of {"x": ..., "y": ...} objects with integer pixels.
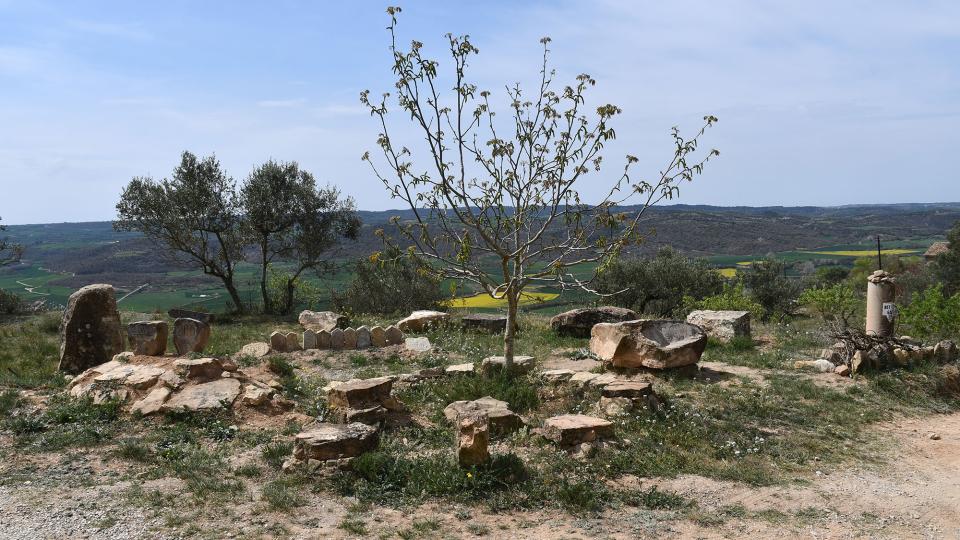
[
  {"x": 267, "y": 308},
  {"x": 510, "y": 332},
  {"x": 234, "y": 293},
  {"x": 288, "y": 296}
]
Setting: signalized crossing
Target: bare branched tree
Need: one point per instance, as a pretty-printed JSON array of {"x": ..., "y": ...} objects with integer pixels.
[{"x": 498, "y": 205}]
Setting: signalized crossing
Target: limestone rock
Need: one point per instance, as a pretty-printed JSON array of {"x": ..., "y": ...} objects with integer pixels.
[
  {"x": 205, "y": 369},
  {"x": 486, "y": 322},
  {"x": 627, "y": 389},
  {"x": 217, "y": 394},
  {"x": 336, "y": 339},
  {"x": 364, "y": 339},
  {"x": 255, "y": 350},
  {"x": 417, "y": 344},
  {"x": 501, "y": 418},
  {"x": 333, "y": 441},
  {"x": 579, "y": 322},
  {"x": 360, "y": 393},
  {"x": 309, "y": 340},
  {"x": 842, "y": 370},
  {"x": 901, "y": 356},
  {"x": 144, "y": 377},
  {"x": 473, "y": 438},
  {"x": 616, "y": 406},
  {"x": 370, "y": 416},
  {"x": 90, "y": 331},
  {"x": 557, "y": 375},
  {"x": 582, "y": 378},
  {"x": 945, "y": 352},
  {"x": 190, "y": 335},
  {"x": 148, "y": 338},
  {"x": 655, "y": 344},
  {"x": 152, "y": 403},
  {"x": 602, "y": 380},
  {"x": 572, "y": 429},
  {"x": 378, "y": 336},
  {"x": 393, "y": 335},
  {"x": 521, "y": 364},
  {"x": 254, "y": 396},
  {"x": 418, "y": 321},
  {"x": 349, "y": 339},
  {"x": 823, "y": 366},
  {"x": 723, "y": 326},
  {"x": 459, "y": 369},
  {"x": 322, "y": 320}
]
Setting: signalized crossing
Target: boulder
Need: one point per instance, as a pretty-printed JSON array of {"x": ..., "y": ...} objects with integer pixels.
[
  {"x": 842, "y": 370},
  {"x": 501, "y": 418},
  {"x": 334, "y": 441},
  {"x": 255, "y": 396},
  {"x": 573, "y": 429},
  {"x": 486, "y": 322},
  {"x": 336, "y": 339},
  {"x": 473, "y": 438},
  {"x": 204, "y": 369},
  {"x": 394, "y": 335},
  {"x": 350, "y": 339},
  {"x": 648, "y": 343},
  {"x": 190, "y": 335},
  {"x": 360, "y": 393},
  {"x": 217, "y": 394},
  {"x": 417, "y": 344},
  {"x": 322, "y": 320},
  {"x": 460, "y": 369},
  {"x": 152, "y": 403},
  {"x": 723, "y": 326},
  {"x": 364, "y": 339},
  {"x": 378, "y": 336},
  {"x": 178, "y": 313},
  {"x": 309, "y": 340},
  {"x": 255, "y": 350},
  {"x": 90, "y": 332},
  {"x": 521, "y": 364},
  {"x": 419, "y": 321},
  {"x": 945, "y": 352},
  {"x": 579, "y": 322},
  {"x": 824, "y": 366},
  {"x": 147, "y": 338}
]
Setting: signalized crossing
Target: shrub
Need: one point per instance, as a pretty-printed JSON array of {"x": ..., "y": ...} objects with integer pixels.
[
  {"x": 837, "y": 303},
  {"x": 769, "y": 286},
  {"x": 732, "y": 298},
  {"x": 932, "y": 314},
  {"x": 388, "y": 284},
  {"x": 826, "y": 276},
  {"x": 11, "y": 304},
  {"x": 659, "y": 285},
  {"x": 947, "y": 265},
  {"x": 305, "y": 293}
]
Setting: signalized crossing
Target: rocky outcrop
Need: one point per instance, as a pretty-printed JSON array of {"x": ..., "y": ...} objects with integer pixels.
[
  {"x": 648, "y": 343},
  {"x": 90, "y": 332},
  {"x": 147, "y": 337},
  {"x": 419, "y": 321},
  {"x": 322, "y": 320},
  {"x": 573, "y": 429},
  {"x": 218, "y": 394},
  {"x": 362, "y": 400},
  {"x": 501, "y": 418},
  {"x": 334, "y": 441},
  {"x": 724, "y": 326},
  {"x": 190, "y": 335},
  {"x": 579, "y": 322}
]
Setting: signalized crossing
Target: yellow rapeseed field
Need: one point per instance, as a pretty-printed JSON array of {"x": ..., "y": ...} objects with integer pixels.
[
  {"x": 864, "y": 252},
  {"x": 483, "y": 300},
  {"x": 727, "y": 272}
]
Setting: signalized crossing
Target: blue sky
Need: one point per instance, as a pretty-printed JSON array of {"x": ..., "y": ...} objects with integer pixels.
[{"x": 820, "y": 103}]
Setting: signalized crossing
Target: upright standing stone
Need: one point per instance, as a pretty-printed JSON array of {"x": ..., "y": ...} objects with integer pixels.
[
  {"x": 363, "y": 337},
  {"x": 148, "y": 337},
  {"x": 293, "y": 341},
  {"x": 309, "y": 340},
  {"x": 473, "y": 438},
  {"x": 881, "y": 311},
  {"x": 190, "y": 335},
  {"x": 378, "y": 336},
  {"x": 724, "y": 326},
  {"x": 350, "y": 339},
  {"x": 278, "y": 341},
  {"x": 336, "y": 339},
  {"x": 90, "y": 331},
  {"x": 323, "y": 339},
  {"x": 394, "y": 335}
]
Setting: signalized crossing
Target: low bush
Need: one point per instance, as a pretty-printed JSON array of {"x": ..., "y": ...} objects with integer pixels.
[
  {"x": 838, "y": 304},
  {"x": 731, "y": 298},
  {"x": 932, "y": 315},
  {"x": 388, "y": 284},
  {"x": 768, "y": 285}
]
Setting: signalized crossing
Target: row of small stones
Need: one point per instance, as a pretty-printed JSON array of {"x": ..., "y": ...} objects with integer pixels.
[{"x": 348, "y": 338}]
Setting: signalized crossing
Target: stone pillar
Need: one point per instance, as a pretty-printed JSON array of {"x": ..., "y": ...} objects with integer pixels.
[
  {"x": 881, "y": 311},
  {"x": 473, "y": 436}
]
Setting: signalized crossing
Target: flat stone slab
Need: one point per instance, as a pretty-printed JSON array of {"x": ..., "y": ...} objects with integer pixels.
[
  {"x": 487, "y": 322},
  {"x": 521, "y": 364},
  {"x": 723, "y": 326},
  {"x": 217, "y": 394},
  {"x": 418, "y": 321},
  {"x": 458, "y": 369},
  {"x": 627, "y": 389},
  {"x": 502, "y": 419},
  {"x": 255, "y": 350},
  {"x": 571, "y": 429},
  {"x": 334, "y": 441},
  {"x": 417, "y": 344},
  {"x": 360, "y": 393},
  {"x": 579, "y": 322},
  {"x": 557, "y": 375}
]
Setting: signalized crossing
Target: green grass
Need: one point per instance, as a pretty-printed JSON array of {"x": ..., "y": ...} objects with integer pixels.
[
  {"x": 30, "y": 352},
  {"x": 65, "y": 423}
]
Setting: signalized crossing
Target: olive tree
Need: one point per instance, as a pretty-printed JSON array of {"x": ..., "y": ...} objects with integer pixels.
[
  {"x": 947, "y": 264},
  {"x": 194, "y": 215},
  {"x": 9, "y": 252},
  {"x": 288, "y": 218},
  {"x": 497, "y": 204}
]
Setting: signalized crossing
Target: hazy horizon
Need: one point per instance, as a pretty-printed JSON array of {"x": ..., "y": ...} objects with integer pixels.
[{"x": 819, "y": 104}]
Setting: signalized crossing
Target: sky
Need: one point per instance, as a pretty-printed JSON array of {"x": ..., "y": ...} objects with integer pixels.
[{"x": 819, "y": 102}]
